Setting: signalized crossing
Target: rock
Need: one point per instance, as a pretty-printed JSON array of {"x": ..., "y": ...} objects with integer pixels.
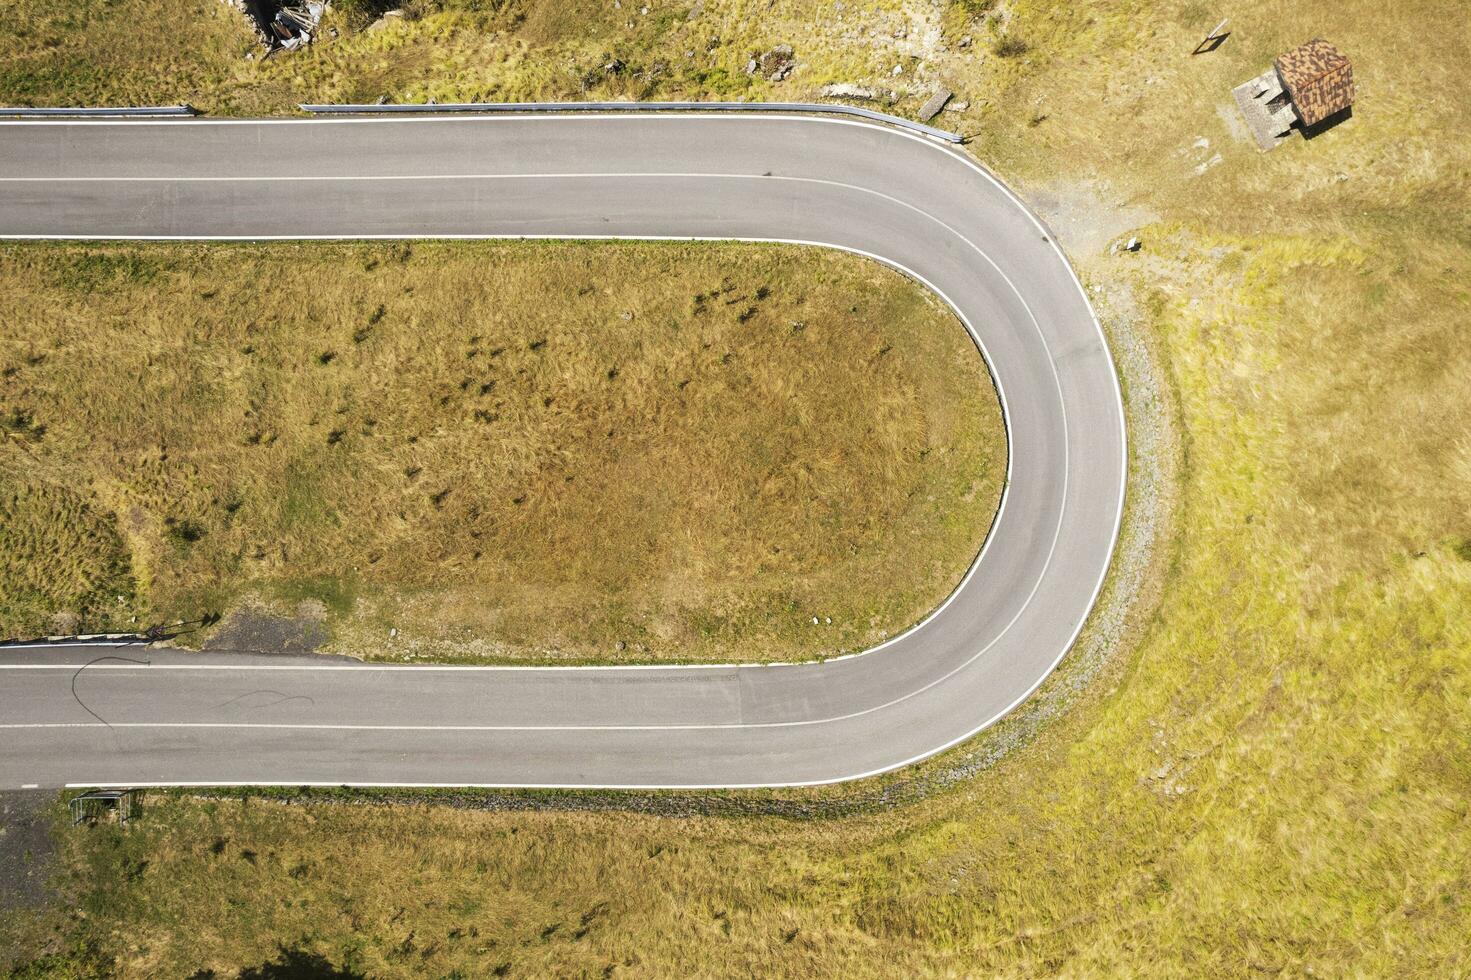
[
  {"x": 775, "y": 64},
  {"x": 965, "y": 42},
  {"x": 898, "y": 70},
  {"x": 1206, "y": 165},
  {"x": 957, "y": 107},
  {"x": 846, "y": 90},
  {"x": 696, "y": 10},
  {"x": 934, "y": 104},
  {"x": 751, "y": 67},
  {"x": 388, "y": 17},
  {"x": 620, "y": 646}
]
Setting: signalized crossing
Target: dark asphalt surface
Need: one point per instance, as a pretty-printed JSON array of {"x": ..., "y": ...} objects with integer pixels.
[{"x": 904, "y": 199}]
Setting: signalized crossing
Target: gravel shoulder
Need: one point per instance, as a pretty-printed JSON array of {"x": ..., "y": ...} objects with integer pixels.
[{"x": 27, "y": 850}]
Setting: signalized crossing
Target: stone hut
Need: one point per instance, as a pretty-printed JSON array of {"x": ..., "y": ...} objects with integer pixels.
[
  {"x": 1318, "y": 80},
  {"x": 1308, "y": 87}
]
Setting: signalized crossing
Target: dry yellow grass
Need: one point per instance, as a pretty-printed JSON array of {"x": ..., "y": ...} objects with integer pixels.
[
  {"x": 1274, "y": 782},
  {"x": 690, "y": 454}
]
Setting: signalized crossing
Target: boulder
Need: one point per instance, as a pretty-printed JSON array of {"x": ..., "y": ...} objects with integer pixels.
[
  {"x": 777, "y": 63},
  {"x": 934, "y": 104}
]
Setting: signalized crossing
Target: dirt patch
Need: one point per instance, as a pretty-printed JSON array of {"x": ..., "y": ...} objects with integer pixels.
[
  {"x": 1086, "y": 216},
  {"x": 26, "y": 848},
  {"x": 254, "y": 630}
]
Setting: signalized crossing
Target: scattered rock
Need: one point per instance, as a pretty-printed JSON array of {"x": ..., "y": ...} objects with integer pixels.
[
  {"x": 934, "y": 104},
  {"x": 965, "y": 42},
  {"x": 775, "y": 64},
  {"x": 957, "y": 106},
  {"x": 1206, "y": 165},
  {"x": 898, "y": 70},
  {"x": 846, "y": 90},
  {"x": 620, "y": 646}
]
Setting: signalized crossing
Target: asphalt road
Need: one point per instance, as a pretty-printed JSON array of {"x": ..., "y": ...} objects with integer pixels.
[{"x": 899, "y": 197}]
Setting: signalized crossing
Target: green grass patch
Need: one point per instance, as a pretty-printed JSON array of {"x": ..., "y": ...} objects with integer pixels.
[{"x": 689, "y": 455}]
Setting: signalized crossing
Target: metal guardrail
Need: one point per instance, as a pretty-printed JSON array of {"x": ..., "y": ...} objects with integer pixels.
[
  {"x": 187, "y": 111},
  {"x": 124, "y": 112},
  {"x": 550, "y": 107},
  {"x": 90, "y": 639}
]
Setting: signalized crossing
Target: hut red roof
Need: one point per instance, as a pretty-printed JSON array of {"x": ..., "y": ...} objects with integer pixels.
[{"x": 1318, "y": 78}]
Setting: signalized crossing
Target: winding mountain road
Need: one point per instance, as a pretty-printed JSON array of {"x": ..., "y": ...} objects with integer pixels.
[{"x": 902, "y": 198}]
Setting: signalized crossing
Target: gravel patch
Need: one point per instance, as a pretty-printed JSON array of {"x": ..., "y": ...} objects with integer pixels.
[
  {"x": 252, "y": 630},
  {"x": 26, "y": 848}
]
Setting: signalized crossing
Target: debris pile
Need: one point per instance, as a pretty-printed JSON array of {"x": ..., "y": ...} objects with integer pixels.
[{"x": 281, "y": 25}]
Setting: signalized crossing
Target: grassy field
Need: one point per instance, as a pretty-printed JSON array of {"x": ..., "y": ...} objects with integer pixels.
[
  {"x": 1274, "y": 780},
  {"x": 200, "y": 51},
  {"x": 691, "y": 454}
]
